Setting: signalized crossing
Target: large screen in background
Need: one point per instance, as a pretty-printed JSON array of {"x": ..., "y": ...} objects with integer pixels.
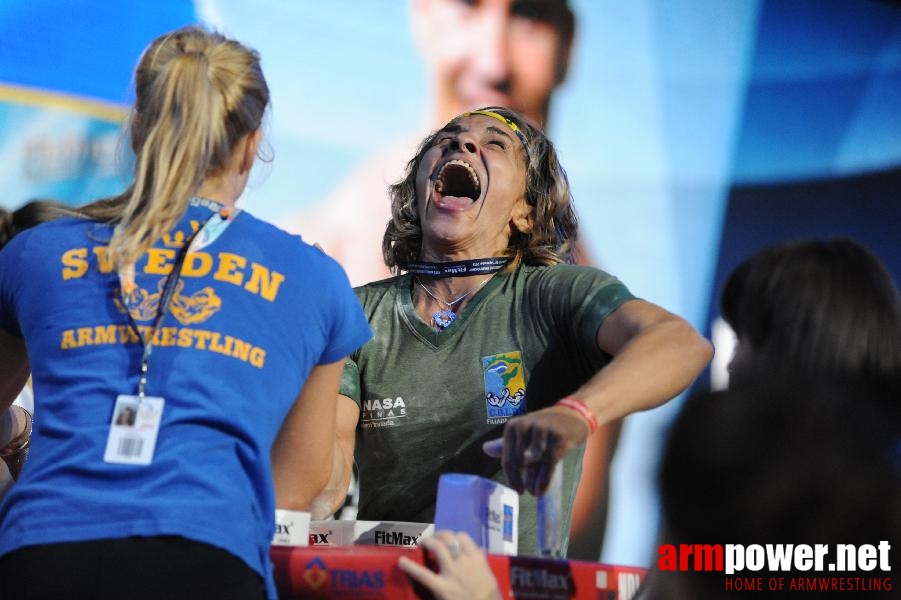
[
  {"x": 671, "y": 118},
  {"x": 65, "y": 72}
]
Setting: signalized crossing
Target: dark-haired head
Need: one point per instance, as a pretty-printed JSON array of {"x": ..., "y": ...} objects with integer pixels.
[
  {"x": 29, "y": 215},
  {"x": 820, "y": 307},
  {"x": 786, "y": 461}
]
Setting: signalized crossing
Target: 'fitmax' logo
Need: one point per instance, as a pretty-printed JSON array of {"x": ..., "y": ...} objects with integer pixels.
[
  {"x": 395, "y": 538},
  {"x": 319, "y": 539}
]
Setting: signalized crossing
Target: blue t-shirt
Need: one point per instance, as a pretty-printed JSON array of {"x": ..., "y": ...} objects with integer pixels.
[{"x": 251, "y": 315}]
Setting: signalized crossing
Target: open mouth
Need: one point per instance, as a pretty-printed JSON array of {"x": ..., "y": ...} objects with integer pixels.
[{"x": 457, "y": 178}]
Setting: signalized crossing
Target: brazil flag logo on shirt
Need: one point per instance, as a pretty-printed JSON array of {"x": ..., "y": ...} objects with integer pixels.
[{"x": 505, "y": 388}]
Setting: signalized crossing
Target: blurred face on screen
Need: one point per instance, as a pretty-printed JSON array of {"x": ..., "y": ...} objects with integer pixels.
[{"x": 510, "y": 53}]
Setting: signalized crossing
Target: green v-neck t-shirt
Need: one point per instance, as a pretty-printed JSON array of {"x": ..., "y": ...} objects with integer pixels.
[{"x": 428, "y": 400}]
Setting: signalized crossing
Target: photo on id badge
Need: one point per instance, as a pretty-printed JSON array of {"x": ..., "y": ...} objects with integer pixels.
[
  {"x": 133, "y": 430},
  {"x": 126, "y": 414}
]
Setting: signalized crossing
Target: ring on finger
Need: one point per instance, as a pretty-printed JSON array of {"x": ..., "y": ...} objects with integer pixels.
[{"x": 453, "y": 547}]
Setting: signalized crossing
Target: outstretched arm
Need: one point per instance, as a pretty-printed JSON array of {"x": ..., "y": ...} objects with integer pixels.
[
  {"x": 656, "y": 355},
  {"x": 303, "y": 451}
]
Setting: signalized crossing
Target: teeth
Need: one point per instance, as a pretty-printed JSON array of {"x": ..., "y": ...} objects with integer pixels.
[
  {"x": 439, "y": 182},
  {"x": 469, "y": 169}
]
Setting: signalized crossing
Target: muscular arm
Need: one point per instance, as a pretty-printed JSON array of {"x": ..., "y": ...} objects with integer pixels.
[
  {"x": 303, "y": 452},
  {"x": 335, "y": 491},
  {"x": 656, "y": 355}
]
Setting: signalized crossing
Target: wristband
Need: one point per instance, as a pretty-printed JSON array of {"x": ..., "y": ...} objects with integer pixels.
[
  {"x": 581, "y": 408},
  {"x": 29, "y": 424}
]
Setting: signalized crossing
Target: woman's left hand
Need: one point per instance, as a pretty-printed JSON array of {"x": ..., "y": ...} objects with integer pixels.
[
  {"x": 533, "y": 444},
  {"x": 463, "y": 570}
]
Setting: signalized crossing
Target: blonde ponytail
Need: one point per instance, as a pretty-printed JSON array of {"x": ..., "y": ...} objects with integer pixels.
[{"x": 197, "y": 94}]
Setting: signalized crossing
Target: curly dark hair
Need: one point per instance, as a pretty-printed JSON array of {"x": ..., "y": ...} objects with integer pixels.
[{"x": 555, "y": 227}]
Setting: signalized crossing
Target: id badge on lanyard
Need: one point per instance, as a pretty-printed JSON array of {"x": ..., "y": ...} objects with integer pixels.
[
  {"x": 134, "y": 429},
  {"x": 135, "y": 423}
]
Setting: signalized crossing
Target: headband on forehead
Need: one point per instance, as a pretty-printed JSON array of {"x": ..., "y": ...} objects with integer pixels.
[{"x": 508, "y": 122}]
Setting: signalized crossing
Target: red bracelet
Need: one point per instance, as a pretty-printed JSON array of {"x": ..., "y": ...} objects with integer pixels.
[{"x": 581, "y": 408}]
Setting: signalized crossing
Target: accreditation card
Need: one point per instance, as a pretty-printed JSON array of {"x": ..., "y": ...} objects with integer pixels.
[{"x": 134, "y": 428}]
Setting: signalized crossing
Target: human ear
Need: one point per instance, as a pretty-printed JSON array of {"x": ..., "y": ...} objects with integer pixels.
[
  {"x": 250, "y": 143},
  {"x": 521, "y": 219}
]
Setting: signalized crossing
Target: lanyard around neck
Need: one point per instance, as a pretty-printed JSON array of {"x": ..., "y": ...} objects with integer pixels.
[
  {"x": 211, "y": 229},
  {"x": 459, "y": 268}
]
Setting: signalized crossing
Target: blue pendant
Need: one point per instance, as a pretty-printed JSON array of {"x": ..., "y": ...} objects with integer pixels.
[{"x": 443, "y": 318}]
